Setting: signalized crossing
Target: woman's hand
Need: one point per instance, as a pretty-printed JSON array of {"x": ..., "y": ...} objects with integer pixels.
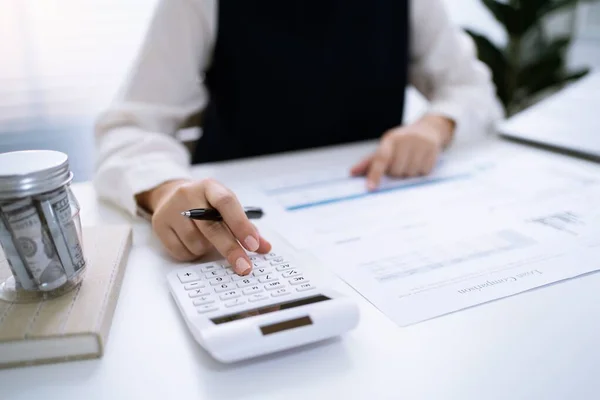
[
  {"x": 186, "y": 239},
  {"x": 407, "y": 151}
]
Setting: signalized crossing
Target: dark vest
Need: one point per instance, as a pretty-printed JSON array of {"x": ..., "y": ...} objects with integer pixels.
[{"x": 295, "y": 74}]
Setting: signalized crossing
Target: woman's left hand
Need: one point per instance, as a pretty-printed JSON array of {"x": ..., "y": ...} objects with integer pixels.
[{"x": 407, "y": 151}]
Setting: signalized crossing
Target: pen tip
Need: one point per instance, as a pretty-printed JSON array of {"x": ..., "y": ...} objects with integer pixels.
[{"x": 184, "y": 213}]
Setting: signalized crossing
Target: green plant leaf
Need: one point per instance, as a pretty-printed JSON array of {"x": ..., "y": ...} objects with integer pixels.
[
  {"x": 506, "y": 14},
  {"x": 549, "y": 61},
  {"x": 555, "y": 5},
  {"x": 556, "y": 80},
  {"x": 496, "y": 61}
]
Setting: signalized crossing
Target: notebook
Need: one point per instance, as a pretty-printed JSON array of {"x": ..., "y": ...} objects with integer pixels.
[
  {"x": 566, "y": 122},
  {"x": 76, "y": 325}
]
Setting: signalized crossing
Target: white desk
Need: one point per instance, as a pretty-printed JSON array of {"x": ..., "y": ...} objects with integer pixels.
[{"x": 538, "y": 345}]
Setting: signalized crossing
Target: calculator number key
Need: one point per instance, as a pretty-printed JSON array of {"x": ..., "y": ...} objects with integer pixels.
[
  {"x": 224, "y": 287},
  {"x": 262, "y": 271},
  {"x": 200, "y": 301},
  {"x": 235, "y": 302},
  {"x": 215, "y": 273},
  {"x": 252, "y": 290},
  {"x": 267, "y": 278},
  {"x": 219, "y": 280},
  {"x": 207, "y": 308},
  {"x": 246, "y": 282}
]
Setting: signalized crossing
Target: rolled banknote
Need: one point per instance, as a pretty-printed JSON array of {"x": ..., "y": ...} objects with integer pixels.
[
  {"x": 34, "y": 244},
  {"x": 22, "y": 275},
  {"x": 57, "y": 213}
]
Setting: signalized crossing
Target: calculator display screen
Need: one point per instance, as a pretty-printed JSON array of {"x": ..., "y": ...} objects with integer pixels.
[{"x": 270, "y": 308}]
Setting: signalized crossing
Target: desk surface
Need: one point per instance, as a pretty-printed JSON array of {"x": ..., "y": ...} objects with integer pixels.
[{"x": 539, "y": 345}]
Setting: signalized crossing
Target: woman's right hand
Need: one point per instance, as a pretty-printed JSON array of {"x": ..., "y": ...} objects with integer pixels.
[{"x": 186, "y": 239}]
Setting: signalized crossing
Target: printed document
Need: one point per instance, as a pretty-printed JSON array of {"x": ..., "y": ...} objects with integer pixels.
[{"x": 472, "y": 232}]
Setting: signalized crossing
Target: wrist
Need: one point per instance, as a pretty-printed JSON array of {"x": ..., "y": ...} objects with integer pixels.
[
  {"x": 151, "y": 199},
  {"x": 444, "y": 127}
]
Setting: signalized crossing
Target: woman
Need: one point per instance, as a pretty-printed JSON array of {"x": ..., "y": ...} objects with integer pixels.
[{"x": 272, "y": 76}]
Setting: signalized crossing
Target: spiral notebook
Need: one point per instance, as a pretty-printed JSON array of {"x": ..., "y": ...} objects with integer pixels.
[{"x": 76, "y": 325}]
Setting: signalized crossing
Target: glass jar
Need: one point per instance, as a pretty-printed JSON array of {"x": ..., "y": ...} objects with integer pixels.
[{"x": 41, "y": 243}]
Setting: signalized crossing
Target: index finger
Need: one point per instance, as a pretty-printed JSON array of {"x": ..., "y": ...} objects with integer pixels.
[
  {"x": 233, "y": 215},
  {"x": 380, "y": 163}
]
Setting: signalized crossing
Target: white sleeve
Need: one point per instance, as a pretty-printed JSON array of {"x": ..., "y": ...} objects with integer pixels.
[
  {"x": 135, "y": 136},
  {"x": 444, "y": 67}
]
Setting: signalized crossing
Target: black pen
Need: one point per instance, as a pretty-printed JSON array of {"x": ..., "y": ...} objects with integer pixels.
[{"x": 211, "y": 214}]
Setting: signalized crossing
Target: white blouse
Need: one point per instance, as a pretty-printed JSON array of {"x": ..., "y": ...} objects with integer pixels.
[{"x": 135, "y": 136}]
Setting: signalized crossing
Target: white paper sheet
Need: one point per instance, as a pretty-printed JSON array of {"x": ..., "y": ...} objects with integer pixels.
[
  {"x": 416, "y": 274},
  {"x": 474, "y": 231},
  {"x": 327, "y": 207}
]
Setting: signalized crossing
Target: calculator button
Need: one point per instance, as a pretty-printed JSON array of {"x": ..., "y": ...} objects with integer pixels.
[
  {"x": 246, "y": 282},
  {"x": 267, "y": 278},
  {"x": 236, "y": 277},
  {"x": 280, "y": 292},
  {"x": 258, "y": 297},
  {"x": 209, "y": 268},
  {"x": 290, "y": 273},
  {"x": 277, "y": 260},
  {"x": 284, "y": 267},
  {"x": 194, "y": 285},
  {"x": 255, "y": 258},
  {"x": 188, "y": 276},
  {"x": 224, "y": 287},
  {"x": 230, "y": 271},
  {"x": 200, "y": 301},
  {"x": 304, "y": 287},
  {"x": 218, "y": 280},
  {"x": 259, "y": 264},
  {"x": 236, "y": 302},
  {"x": 270, "y": 256},
  {"x": 274, "y": 285},
  {"x": 252, "y": 290},
  {"x": 217, "y": 272},
  {"x": 207, "y": 308},
  {"x": 262, "y": 271},
  {"x": 232, "y": 294},
  {"x": 297, "y": 280},
  {"x": 198, "y": 292}
]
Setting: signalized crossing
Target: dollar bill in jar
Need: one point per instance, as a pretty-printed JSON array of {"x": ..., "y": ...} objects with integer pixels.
[
  {"x": 22, "y": 275},
  {"x": 34, "y": 244},
  {"x": 58, "y": 213}
]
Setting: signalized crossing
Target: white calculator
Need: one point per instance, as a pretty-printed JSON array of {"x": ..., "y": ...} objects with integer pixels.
[{"x": 274, "y": 308}]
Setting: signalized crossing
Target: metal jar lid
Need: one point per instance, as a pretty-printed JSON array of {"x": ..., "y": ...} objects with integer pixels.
[{"x": 30, "y": 172}]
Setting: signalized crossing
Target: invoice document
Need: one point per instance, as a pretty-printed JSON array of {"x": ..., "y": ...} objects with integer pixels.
[{"x": 474, "y": 231}]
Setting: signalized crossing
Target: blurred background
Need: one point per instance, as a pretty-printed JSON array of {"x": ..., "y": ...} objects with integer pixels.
[{"x": 61, "y": 62}]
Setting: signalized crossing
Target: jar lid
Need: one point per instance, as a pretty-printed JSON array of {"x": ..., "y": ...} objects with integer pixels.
[{"x": 30, "y": 172}]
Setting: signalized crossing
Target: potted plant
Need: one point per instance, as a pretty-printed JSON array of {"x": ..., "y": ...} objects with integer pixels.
[{"x": 533, "y": 62}]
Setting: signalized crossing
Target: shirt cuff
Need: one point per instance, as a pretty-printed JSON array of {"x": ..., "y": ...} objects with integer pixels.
[{"x": 142, "y": 179}]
